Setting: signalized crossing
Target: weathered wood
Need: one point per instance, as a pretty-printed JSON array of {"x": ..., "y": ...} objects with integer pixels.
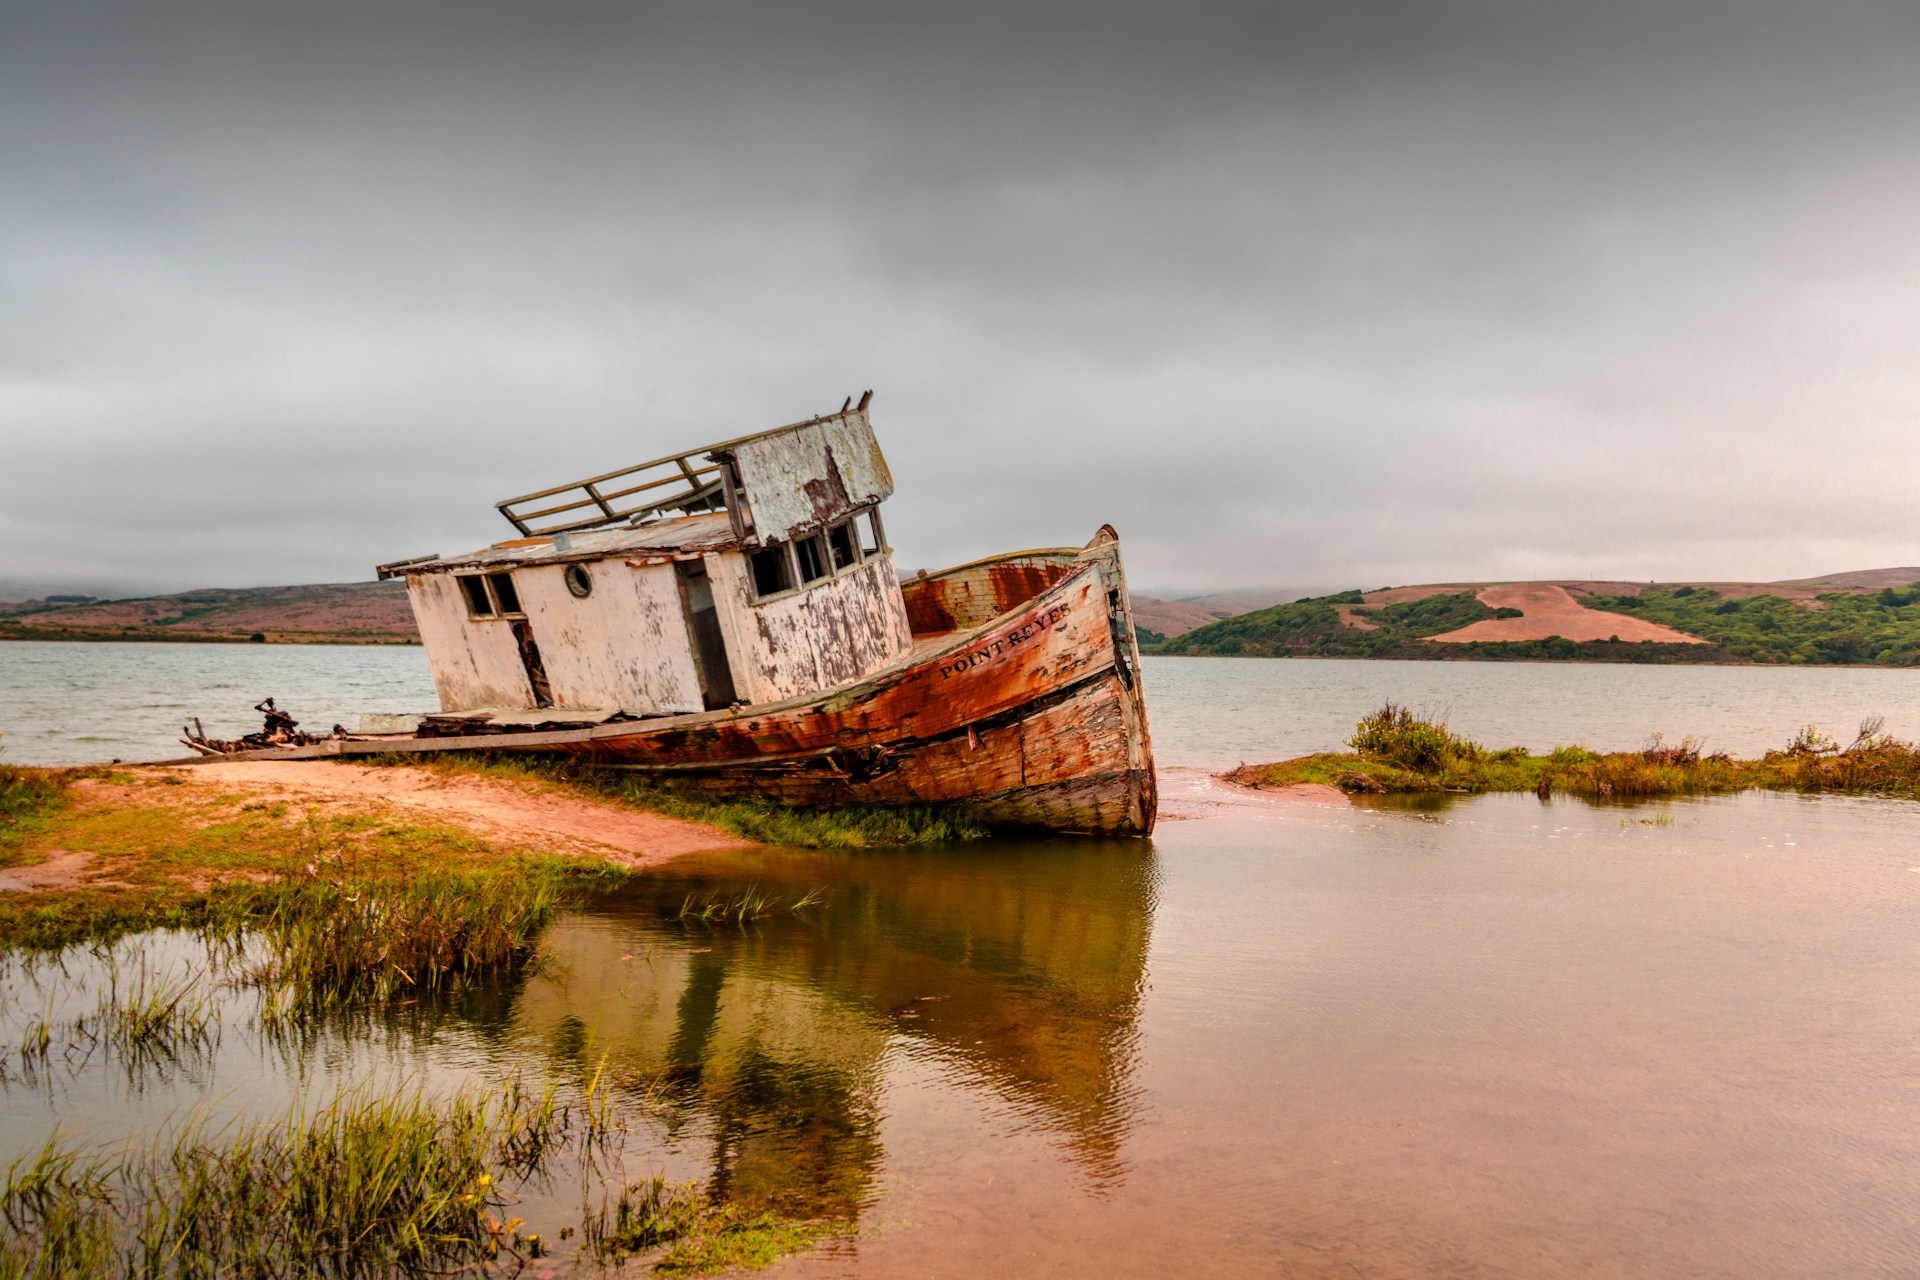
[
  {"x": 801, "y": 474},
  {"x": 1036, "y": 720}
]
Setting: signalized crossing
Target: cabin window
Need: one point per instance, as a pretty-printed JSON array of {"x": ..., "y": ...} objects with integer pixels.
[
  {"x": 772, "y": 573},
  {"x": 503, "y": 593},
  {"x": 579, "y": 581},
  {"x": 840, "y": 542},
  {"x": 479, "y": 603},
  {"x": 812, "y": 555},
  {"x": 491, "y": 595},
  {"x": 874, "y": 540}
]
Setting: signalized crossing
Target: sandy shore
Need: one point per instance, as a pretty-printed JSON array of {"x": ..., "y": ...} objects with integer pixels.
[
  {"x": 506, "y": 812},
  {"x": 547, "y": 819}
]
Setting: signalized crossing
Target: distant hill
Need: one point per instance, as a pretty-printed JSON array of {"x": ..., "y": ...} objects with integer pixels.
[
  {"x": 359, "y": 612},
  {"x": 1168, "y": 618},
  {"x": 340, "y": 612},
  {"x": 1232, "y": 603},
  {"x": 1870, "y": 616}
]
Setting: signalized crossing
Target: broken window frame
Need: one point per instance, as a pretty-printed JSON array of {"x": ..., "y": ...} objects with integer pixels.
[
  {"x": 490, "y": 588},
  {"x": 876, "y": 529},
  {"x": 839, "y": 535},
  {"x": 479, "y": 600},
  {"x": 812, "y": 548},
  {"x": 858, "y": 536},
  {"x": 780, "y": 553},
  {"x": 506, "y": 596}
]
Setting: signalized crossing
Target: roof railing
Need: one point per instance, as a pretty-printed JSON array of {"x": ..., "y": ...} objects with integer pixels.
[
  {"x": 673, "y": 483},
  {"x": 689, "y": 483}
]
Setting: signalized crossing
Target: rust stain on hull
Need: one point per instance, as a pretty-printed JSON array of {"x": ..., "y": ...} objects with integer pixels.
[{"x": 977, "y": 593}]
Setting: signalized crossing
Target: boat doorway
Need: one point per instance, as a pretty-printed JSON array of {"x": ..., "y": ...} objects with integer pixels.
[{"x": 703, "y": 629}]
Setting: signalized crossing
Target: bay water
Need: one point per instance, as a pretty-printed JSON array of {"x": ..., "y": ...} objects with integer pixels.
[
  {"x": 1498, "y": 1038},
  {"x": 92, "y": 703}
]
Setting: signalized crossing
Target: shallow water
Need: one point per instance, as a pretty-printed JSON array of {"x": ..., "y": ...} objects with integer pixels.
[
  {"x": 1499, "y": 1037},
  {"x": 1507, "y": 1038}
]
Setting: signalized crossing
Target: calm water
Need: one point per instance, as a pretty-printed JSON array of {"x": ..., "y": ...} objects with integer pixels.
[
  {"x": 1504, "y": 1038},
  {"x": 87, "y": 703}
]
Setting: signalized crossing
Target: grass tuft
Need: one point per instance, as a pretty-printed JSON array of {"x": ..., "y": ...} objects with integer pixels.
[
  {"x": 701, "y": 1238},
  {"x": 753, "y": 903},
  {"x": 337, "y": 932}
]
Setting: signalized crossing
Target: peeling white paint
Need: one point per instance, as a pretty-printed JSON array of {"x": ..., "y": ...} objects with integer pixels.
[
  {"x": 838, "y": 630},
  {"x": 475, "y": 662},
  {"x": 622, "y": 647},
  {"x": 627, "y": 646},
  {"x": 801, "y": 479}
]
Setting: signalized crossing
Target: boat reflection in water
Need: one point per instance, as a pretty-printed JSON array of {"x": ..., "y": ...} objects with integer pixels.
[{"x": 1016, "y": 966}]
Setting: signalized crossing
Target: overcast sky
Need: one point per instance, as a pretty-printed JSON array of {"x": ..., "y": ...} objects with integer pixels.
[{"x": 1343, "y": 293}]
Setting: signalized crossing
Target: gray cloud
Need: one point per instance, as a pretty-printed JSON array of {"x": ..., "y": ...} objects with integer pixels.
[{"x": 1290, "y": 292}]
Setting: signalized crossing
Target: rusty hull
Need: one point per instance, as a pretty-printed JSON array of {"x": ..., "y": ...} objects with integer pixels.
[
  {"x": 975, "y": 594},
  {"x": 1033, "y": 718}
]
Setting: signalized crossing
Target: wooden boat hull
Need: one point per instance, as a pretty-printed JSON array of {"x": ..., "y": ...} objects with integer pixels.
[{"x": 1020, "y": 704}]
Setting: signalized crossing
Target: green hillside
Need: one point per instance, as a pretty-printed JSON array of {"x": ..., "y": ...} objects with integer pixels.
[{"x": 1880, "y": 628}]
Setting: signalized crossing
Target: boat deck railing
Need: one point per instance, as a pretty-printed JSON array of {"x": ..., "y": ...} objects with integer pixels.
[
  {"x": 682, "y": 482},
  {"x": 689, "y": 482}
]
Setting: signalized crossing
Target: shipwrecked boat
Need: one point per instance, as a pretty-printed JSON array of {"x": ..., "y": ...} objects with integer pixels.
[{"x": 730, "y": 618}]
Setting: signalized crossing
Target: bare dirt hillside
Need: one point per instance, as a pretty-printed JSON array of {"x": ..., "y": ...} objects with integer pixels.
[
  {"x": 1859, "y": 580},
  {"x": 1172, "y": 617},
  {"x": 1869, "y": 617},
  {"x": 1231, "y": 604},
  {"x": 1548, "y": 610}
]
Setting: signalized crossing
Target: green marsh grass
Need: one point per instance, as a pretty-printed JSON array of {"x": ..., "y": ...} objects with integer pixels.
[
  {"x": 744, "y": 907},
  {"x": 143, "y": 1019},
  {"x": 697, "y": 1236},
  {"x": 364, "y": 1186},
  {"x": 643, "y": 1216},
  {"x": 1397, "y": 750}
]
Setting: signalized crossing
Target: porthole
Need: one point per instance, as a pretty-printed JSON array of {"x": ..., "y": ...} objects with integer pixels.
[{"x": 579, "y": 581}]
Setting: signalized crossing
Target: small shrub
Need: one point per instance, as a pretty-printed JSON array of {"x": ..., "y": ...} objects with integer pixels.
[
  {"x": 1811, "y": 742},
  {"x": 1395, "y": 735},
  {"x": 1657, "y": 751}
]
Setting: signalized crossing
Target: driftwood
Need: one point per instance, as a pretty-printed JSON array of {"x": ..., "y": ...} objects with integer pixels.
[{"x": 280, "y": 730}]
